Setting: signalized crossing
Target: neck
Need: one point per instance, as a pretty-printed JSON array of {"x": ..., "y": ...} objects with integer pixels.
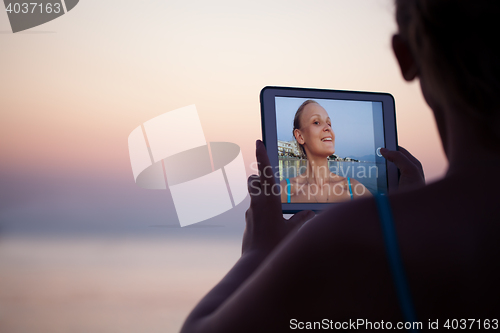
[
  {"x": 317, "y": 170},
  {"x": 470, "y": 144}
]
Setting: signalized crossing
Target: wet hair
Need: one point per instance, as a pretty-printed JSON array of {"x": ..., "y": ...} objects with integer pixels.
[
  {"x": 297, "y": 125},
  {"x": 454, "y": 43}
]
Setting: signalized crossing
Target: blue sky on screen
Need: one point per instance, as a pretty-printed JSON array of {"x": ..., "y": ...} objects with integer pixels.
[{"x": 352, "y": 123}]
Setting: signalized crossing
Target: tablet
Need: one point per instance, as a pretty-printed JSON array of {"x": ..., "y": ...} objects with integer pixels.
[{"x": 324, "y": 145}]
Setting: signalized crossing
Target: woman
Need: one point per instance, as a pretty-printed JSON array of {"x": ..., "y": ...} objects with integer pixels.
[
  {"x": 336, "y": 267},
  {"x": 312, "y": 129}
]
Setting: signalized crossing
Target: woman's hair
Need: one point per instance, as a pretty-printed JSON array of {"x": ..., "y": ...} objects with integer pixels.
[
  {"x": 297, "y": 125},
  {"x": 454, "y": 43}
]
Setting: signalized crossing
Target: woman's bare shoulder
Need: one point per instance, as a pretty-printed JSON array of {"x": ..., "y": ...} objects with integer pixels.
[
  {"x": 324, "y": 256},
  {"x": 336, "y": 265},
  {"x": 294, "y": 182},
  {"x": 359, "y": 190},
  {"x": 343, "y": 219},
  {"x": 300, "y": 179},
  {"x": 442, "y": 235}
]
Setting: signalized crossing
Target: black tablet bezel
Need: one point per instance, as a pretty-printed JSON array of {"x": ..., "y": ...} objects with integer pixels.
[{"x": 269, "y": 129}]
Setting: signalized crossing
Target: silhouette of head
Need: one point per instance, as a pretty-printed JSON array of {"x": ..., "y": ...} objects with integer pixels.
[{"x": 453, "y": 43}]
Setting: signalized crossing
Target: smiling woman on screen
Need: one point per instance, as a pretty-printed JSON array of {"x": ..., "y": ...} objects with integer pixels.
[{"x": 312, "y": 129}]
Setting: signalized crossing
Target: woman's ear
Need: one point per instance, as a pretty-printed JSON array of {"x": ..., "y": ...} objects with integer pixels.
[
  {"x": 298, "y": 136},
  {"x": 406, "y": 61}
]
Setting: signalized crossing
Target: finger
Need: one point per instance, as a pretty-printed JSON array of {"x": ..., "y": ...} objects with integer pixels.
[
  {"x": 402, "y": 162},
  {"x": 301, "y": 217},
  {"x": 265, "y": 169},
  {"x": 409, "y": 155},
  {"x": 254, "y": 185},
  {"x": 412, "y": 158}
]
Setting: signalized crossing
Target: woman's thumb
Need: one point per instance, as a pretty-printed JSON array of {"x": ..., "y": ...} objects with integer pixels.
[{"x": 398, "y": 158}]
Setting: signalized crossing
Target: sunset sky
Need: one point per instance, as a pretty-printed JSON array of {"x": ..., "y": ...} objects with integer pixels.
[{"x": 73, "y": 89}]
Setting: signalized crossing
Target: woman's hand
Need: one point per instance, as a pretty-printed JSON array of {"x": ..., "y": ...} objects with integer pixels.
[
  {"x": 412, "y": 173},
  {"x": 265, "y": 225}
]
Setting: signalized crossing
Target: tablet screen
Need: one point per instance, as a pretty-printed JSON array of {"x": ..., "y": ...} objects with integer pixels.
[{"x": 328, "y": 149}]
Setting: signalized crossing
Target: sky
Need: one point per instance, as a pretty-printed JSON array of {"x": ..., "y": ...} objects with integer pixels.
[
  {"x": 73, "y": 89},
  {"x": 101, "y": 254},
  {"x": 352, "y": 124}
]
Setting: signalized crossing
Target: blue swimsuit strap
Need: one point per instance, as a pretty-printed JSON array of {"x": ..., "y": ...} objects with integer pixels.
[
  {"x": 394, "y": 256},
  {"x": 287, "y": 190},
  {"x": 350, "y": 189}
]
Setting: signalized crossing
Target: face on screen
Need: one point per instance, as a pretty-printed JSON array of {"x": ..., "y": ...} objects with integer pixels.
[
  {"x": 327, "y": 149},
  {"x": 313, "y": 130}
]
